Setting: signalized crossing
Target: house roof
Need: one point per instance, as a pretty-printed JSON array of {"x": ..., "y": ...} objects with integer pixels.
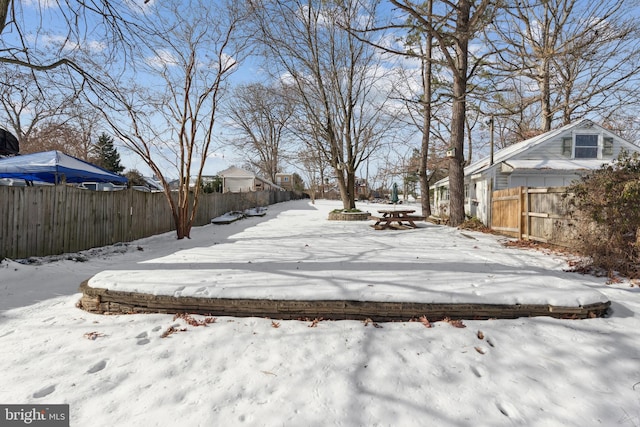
[
  {"x": 507, "y": 153},
  {"x": 235, "y": 172},
  {"x": 519, "y": 147},
  {"x": 267, "y": 182},
  {"x": 564, "y": 164}
]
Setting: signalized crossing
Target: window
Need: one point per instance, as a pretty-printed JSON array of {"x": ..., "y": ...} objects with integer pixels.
[
  {"x": 444, "y": 193},
  {"x": 586, "y": 147},
  {"x": 607, "y": 147},
  {"x": 566, "y": 146}
]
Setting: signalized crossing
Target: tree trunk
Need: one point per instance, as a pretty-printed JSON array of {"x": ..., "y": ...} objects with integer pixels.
[
  {"x": 351, "y": 189},
  {"x": 545, "y": 97},
  {"x": 426, "y": 124},
  {"x": 456, "y": 162},
  {"x": 342, "y": 185}
]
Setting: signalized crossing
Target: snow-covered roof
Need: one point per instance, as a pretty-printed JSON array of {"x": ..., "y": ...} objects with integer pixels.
[
  {"x": 556, "y": 164},
  {"x": 511, "y": 151},
  {"x": 235, "y": 172},
  {"x": 267, "y": 182}
]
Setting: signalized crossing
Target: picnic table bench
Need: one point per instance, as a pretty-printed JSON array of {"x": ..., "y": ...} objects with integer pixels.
[{"x": 402, "y": 218}]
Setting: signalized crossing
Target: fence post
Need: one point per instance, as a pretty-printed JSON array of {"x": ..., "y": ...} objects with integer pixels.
[
  {"x": 525, "y": 214},
  {"x": 521, "y": 207}
]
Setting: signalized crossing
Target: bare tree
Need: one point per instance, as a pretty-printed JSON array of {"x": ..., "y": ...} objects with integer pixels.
[
  {"x": 169, "y": 122},
  {"x": 624, "y": 123},
  {"x": 313, "y": 167},
  {"x": 261, "y": 115},
  {"x": 27, "y": 102},
  {"x": 49, "y": 35},
  {"x": 453, "y": 25},
  {"x": 89, "y": 123},
  {"x": 578, "y": 54},
  {"x": 64, "y": 136},
  {"x": 334, "y": 79}
]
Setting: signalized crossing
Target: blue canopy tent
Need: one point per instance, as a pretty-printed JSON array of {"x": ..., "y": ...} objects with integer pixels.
[{"x": 55, "y": 167}]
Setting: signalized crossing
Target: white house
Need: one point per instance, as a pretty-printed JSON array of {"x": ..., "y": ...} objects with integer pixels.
[
  {"x": 236, "y": 180},
  {"x": 552, "y": 159}
]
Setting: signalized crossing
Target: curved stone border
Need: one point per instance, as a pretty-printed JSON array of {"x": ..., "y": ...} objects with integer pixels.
[
  {"x": 349, "y": 216},
  {"x": 105, "y": 301}
]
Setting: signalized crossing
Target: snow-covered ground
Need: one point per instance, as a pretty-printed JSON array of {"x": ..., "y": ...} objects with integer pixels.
[{"x": 145, "y": 370}]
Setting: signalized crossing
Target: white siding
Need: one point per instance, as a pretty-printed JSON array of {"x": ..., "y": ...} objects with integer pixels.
[
  {"x": 542, "y": 180},
  {"x": 237, "y": 185},
  {"x": 502, "y": 181},
  {"x": 551, "y": 149}
]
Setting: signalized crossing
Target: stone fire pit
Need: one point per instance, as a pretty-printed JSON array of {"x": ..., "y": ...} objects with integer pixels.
[{"x": 348, "y": 216}]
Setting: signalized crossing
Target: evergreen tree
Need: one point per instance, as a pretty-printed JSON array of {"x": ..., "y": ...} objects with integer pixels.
[
  {"x": 106, "y": 154},
  {"x": 298, "y": 182}
]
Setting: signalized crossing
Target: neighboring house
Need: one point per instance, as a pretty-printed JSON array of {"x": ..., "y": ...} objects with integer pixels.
[
  {"x": 555, "y": 158},
  {"x": 362, "y": 187},
  {"x": 153, "y": 183},
  {"x": 236, "y": 180},
  {"x": 285, "y": 180}
]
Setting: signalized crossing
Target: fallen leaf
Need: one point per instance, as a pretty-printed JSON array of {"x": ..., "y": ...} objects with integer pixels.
[
  {"x": 368, "y": 321},
  {"x": 315, "y": 321},
  {"x": 425, "y": 322},
  {"x": 455, "y": 323},
  {"x": 93, "y": 335}
]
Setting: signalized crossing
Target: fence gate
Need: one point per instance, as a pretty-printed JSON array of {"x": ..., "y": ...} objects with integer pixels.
[{"x": 540, "y": 214}]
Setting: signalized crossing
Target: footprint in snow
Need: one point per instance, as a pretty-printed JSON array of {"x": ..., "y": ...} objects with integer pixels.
[
  {"x": 44, "y": 392},
  {"x": 7, "y": 333},
  {"x": 202, "y": 291},
  {"x": 476, "y": 371},
  {"x": 508, "y": 410},
  {"x": 142, "y": 338},
  {"x": 97, "y": 367}
]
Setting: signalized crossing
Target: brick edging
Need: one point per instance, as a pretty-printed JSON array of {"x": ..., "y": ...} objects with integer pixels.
[{"x": 105, "y": 301}]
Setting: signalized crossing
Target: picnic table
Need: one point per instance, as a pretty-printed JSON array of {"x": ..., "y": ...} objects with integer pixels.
[{"x": 402, "y": 218}]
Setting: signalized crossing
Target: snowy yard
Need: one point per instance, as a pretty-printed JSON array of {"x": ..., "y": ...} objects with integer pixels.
[{"x": 145, "y": 370}]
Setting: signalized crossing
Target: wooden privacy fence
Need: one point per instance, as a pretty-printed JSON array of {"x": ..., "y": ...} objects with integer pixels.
[
  {"x": 52, "y": 220},
  {"x": 540, "y": 214}
]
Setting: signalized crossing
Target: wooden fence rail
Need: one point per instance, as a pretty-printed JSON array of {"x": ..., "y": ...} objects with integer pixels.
[
  {"x": 52, "y": 220},
  {"x": 540, "y": 214}
]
